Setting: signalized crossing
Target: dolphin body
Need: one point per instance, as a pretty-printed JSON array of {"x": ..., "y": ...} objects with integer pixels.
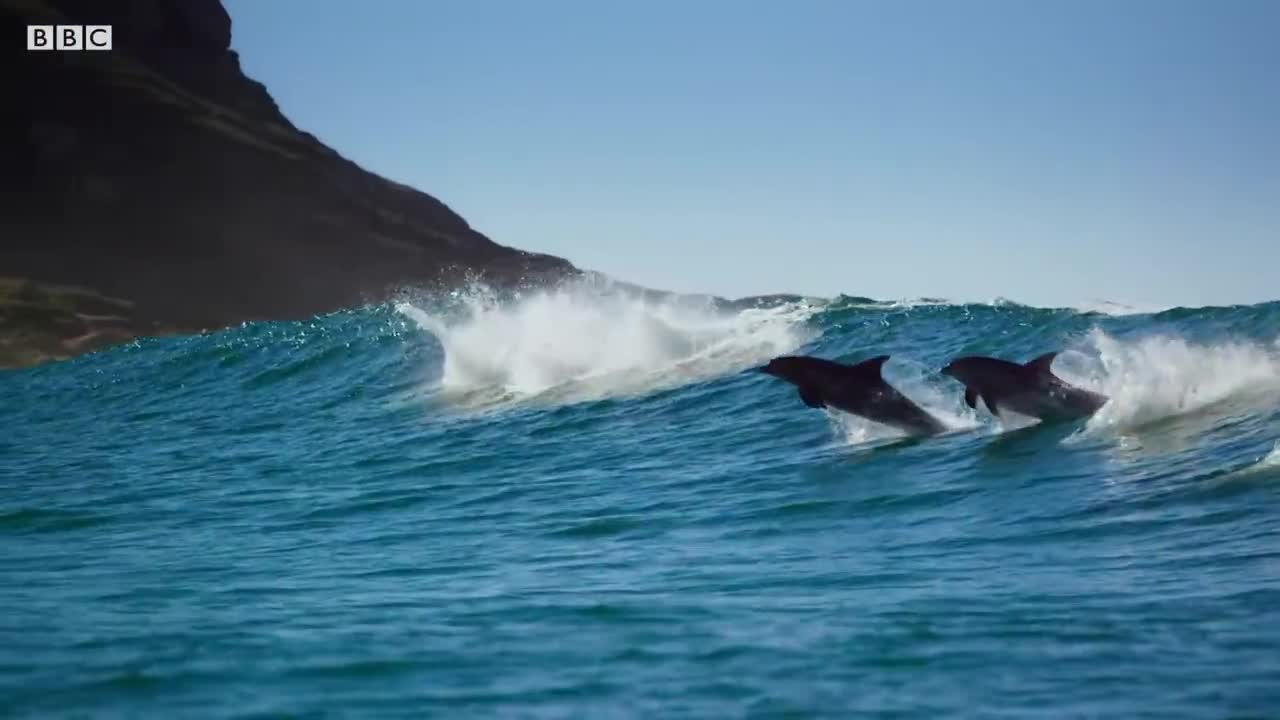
[
  {"x": 1030, "y": 389},
  {"x": 857, "y": 389}
]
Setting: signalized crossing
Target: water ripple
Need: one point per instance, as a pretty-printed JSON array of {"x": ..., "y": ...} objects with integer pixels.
[{"x": 307, "y": 518}]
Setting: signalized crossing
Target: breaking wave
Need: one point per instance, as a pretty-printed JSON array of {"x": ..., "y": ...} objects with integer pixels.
[
  {"x": 1152, "y": 378},
  {"x": 582, "y": 342},
  {"x": 590, "y": 341}
]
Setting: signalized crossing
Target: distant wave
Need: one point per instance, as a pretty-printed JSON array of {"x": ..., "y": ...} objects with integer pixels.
[
  {"x": 1110, "y": 307},
  {"x": 1095, "y": 306}
]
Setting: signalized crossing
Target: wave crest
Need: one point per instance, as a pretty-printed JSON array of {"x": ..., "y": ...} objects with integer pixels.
[
  {"x": 1161, "y": 376},
  {"x": 583, "y": 342}
]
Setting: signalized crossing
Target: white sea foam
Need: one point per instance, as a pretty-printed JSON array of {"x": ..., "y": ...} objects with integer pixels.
[
  {"x": 1156, "y": 377},
  {"x": 589, "y": 341}
]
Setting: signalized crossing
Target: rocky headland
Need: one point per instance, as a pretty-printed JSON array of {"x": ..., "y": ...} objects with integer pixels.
[{"x": 155, "y": 188}]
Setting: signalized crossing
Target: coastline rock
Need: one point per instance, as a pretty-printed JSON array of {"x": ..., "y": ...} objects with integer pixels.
[{"x": 160, "y": 175}]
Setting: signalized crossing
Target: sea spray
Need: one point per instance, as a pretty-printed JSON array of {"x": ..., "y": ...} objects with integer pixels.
[
  {"x": 582, "y": 342},
  {"x": 1155, "y": 377}
]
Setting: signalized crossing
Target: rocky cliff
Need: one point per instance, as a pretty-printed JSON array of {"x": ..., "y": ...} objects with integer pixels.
[{"x": 159, "y": 180}]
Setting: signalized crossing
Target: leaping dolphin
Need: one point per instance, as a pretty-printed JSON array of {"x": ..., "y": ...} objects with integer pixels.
[
  {"x": 1030, "y": 389},
  {"x": 857, "y": 389}
]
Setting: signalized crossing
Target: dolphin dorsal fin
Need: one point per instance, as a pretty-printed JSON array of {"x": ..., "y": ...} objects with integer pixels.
[
  {"x": 1042, "y": 363},
  {"x": 872, "y": 366}
]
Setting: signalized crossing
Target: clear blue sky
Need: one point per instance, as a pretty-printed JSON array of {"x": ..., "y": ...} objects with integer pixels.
[{"x": 1048, "y": 152}]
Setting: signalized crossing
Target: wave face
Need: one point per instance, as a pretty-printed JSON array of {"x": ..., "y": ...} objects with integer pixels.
[{"x": 584, "y": 503}]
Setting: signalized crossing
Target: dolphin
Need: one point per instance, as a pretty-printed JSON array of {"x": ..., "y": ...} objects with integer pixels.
[
  {"x": 857, "y": 389},
  {"x": 1030, "y": 389}
]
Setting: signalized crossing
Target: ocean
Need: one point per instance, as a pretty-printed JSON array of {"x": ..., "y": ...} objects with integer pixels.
[{"x": 581, "y": 503}]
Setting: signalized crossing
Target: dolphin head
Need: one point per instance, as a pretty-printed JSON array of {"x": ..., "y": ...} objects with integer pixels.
[{"x": 786, "y": 367}]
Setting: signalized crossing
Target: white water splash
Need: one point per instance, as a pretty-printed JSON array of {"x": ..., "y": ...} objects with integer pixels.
[
  {"x": 1272, "y": 459},
  {"x": 1008, "y": 421},
  {"x": 583, "y": 342},
  {"x": 854, "y": 430},
  {"x": 1117, "y": 309},
  {"x": 1153, "y": 378}
]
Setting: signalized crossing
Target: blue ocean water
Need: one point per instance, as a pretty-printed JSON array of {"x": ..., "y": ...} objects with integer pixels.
[{"x": 582, "y": 504}]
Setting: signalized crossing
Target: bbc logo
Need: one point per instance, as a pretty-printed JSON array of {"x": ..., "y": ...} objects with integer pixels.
[{"x": 68, "y": 37}]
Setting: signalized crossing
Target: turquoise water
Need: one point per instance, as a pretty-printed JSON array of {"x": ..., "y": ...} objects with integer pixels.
[{"x": 579, "y": 504}]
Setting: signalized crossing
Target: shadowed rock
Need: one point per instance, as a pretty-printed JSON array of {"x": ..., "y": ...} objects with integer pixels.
[{"x": 158, "y": 174}]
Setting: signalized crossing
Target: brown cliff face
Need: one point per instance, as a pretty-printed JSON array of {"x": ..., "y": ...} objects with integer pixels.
[{"x": 158, "y": 175}]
